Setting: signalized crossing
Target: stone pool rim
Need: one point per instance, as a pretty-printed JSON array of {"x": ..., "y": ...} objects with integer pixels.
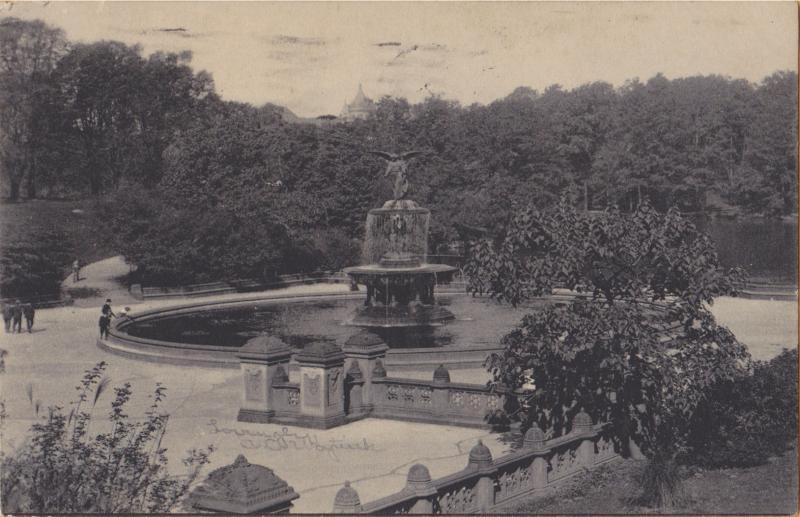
[
  {"x": 124, "y": 344},
  {"x": 177, "y": 353}
]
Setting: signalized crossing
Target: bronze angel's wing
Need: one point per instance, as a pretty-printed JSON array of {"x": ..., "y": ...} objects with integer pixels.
[
  {"x": 386, "y": 156},
  {"x": 411, "y": 154}
]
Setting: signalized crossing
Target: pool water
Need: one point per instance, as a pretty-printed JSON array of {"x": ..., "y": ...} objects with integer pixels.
[{"x": 479, "y": 322}]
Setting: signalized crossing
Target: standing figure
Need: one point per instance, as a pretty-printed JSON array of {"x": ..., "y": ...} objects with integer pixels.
[
  {"x": 106, "y": 310},
  {"x": 16, "y": 317},
  {"x": 103, "y": 323},
  {"x": 28, "y": 311},
  {"x": 398, "y": 164},
  {"x": 76, "y": 270},
  {"x": 7, "y": 310}
]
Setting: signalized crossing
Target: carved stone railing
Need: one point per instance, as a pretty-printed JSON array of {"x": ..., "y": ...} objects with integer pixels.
[
  {"x": 438, "y": 401},
  {"x": 341, "y": 385},
  {"x": 487, "y": 485}
]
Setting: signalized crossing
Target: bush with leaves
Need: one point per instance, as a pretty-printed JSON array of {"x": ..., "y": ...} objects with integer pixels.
[
  {"x": 637, "y": 347},
  {"x": 33, "y": 265},
  {"x": 746, "y": 420},
  {"x": 62, "y": 468}
]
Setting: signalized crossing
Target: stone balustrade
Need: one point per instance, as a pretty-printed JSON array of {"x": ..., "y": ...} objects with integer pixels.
[
  {"x": 487, "y": 484},
  {"x": 340, "y": 385}
]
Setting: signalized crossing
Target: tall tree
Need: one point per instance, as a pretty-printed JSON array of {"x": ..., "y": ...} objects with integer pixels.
[{"x": 29, "y": 51}]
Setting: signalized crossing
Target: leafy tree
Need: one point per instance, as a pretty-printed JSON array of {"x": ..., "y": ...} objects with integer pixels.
[
  {"x": 637, "y": 347},
  {"x": 64, "y": 469},
  {"x": 29, "y": 51}
]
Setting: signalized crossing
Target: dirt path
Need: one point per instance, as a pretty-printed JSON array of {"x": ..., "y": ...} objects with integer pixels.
[{"x": 100, "y": 279}]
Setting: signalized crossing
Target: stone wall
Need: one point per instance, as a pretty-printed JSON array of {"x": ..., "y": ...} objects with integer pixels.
[
  {"x": 338, "y": 386},
  {"x": 487, "y": 484}
]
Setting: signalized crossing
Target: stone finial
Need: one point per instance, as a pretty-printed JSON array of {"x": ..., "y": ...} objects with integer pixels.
[
  {"x": 265, "y": 347},
  {"x": 354, "y": 372},
  {"x": 480, "y": 457},
  {"x": 378, "y": 371},
  {"x": 243, "y": 487},
  {"x": 581, "y": 422},
  {"x": 534, "y": 438},
  {"x": 364, "y": 339},
  {"x": 347, "y": 500},
  {"x": 321, "y": 353},
  {"x": 419, "y": 481},
  {"x": 441, "y": 375}
]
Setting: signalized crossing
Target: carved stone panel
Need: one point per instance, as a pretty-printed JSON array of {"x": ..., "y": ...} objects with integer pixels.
[
  {"x": 312, "y": 391},
  {"x": 253, "y": 385},
  {"x": 334, "y": 385}
]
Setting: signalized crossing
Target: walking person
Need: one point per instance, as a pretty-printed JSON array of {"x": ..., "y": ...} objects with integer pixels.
[
  {"x": 16, "y": 317},
  {"x": 28, "y": 311}
]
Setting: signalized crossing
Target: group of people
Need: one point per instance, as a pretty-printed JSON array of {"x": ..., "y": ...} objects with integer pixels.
[
  {"x": 105, "y": 317},
  {"x": 13, "y": 313}
]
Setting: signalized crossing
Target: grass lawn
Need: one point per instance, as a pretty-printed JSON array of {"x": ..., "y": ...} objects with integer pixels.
[
  {"x": 766, "y": 489},
  {"x": 24, "y": 220}
]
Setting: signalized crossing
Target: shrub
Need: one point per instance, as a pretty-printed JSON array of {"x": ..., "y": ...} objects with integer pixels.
[
  {"x": 744, "y": 421},
  {"x": 33, "y": 266},
  {"x": 62, "y": 469}
]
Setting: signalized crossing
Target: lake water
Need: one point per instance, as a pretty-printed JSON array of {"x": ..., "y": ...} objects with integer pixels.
[{"x": 766, "y": 248}]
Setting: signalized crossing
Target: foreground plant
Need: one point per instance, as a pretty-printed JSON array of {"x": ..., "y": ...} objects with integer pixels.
[
  {"x": 637, "y": 347},
  {"x": 63, "y": 469}
]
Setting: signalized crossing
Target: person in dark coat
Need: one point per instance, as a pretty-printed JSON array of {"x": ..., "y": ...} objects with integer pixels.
[
  {"x": 103, "y": 323},
  {"x": 7, "y": 311},
  {"x": 28, "y": 311},
  {"x": 16, "y": 317},
  {"x": 106, "y": 310}
]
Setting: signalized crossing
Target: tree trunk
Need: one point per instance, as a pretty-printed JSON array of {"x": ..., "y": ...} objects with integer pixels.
[
  {"x": 585, "y": 196},
  {"x": 13, "y": 188},
  {"x": 30, "y": 177},
  {"x": 639, "y": 194}
]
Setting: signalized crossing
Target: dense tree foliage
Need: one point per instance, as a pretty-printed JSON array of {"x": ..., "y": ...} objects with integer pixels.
[
  {"x": 638, "y": 347},
  {"x": 98, "y": 118}
]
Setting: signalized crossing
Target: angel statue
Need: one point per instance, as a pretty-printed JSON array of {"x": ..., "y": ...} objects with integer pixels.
[{"x": 398, "y": 164}]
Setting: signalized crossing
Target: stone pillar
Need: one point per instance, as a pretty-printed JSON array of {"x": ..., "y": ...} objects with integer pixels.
[
  {"x": 354, "y": 383},
  {"x": 377, "y": 388},
  {"x": 243, "y": 488},
  {"x": 582, "y": 423},
  {"x": 535, "y": 441},
  {"x": 261, "y": 359},
  {"x": 480, "y": 460},
  {"x": 366, "y": 349},
  {"x": 441, "y": 389},
  {"x": 418, "y": 482},
  {"x": 347, "y": 500},
  {"x": 321, "y": 385}
]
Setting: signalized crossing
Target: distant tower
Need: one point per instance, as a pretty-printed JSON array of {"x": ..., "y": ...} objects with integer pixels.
[{"x": 360, "y": 108}]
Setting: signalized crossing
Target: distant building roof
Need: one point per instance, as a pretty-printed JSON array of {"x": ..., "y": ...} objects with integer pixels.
[{"x": 361, "y": 107}]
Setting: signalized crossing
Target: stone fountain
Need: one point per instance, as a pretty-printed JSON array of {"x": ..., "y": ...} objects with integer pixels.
[{"x": 400, "y": 283}]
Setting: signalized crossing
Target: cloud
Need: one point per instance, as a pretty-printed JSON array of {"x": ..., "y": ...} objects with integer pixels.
[{"x": 283, "y": 39}]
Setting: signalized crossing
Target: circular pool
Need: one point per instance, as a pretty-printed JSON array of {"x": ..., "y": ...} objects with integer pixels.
[{"x": 210, "y": 334}]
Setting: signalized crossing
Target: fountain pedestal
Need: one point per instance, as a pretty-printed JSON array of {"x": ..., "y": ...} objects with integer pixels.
[{"x": 400, "y": 284}]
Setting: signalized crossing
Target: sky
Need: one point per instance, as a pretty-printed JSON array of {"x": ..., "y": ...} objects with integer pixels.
[{"x": 311, "y": 56}]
